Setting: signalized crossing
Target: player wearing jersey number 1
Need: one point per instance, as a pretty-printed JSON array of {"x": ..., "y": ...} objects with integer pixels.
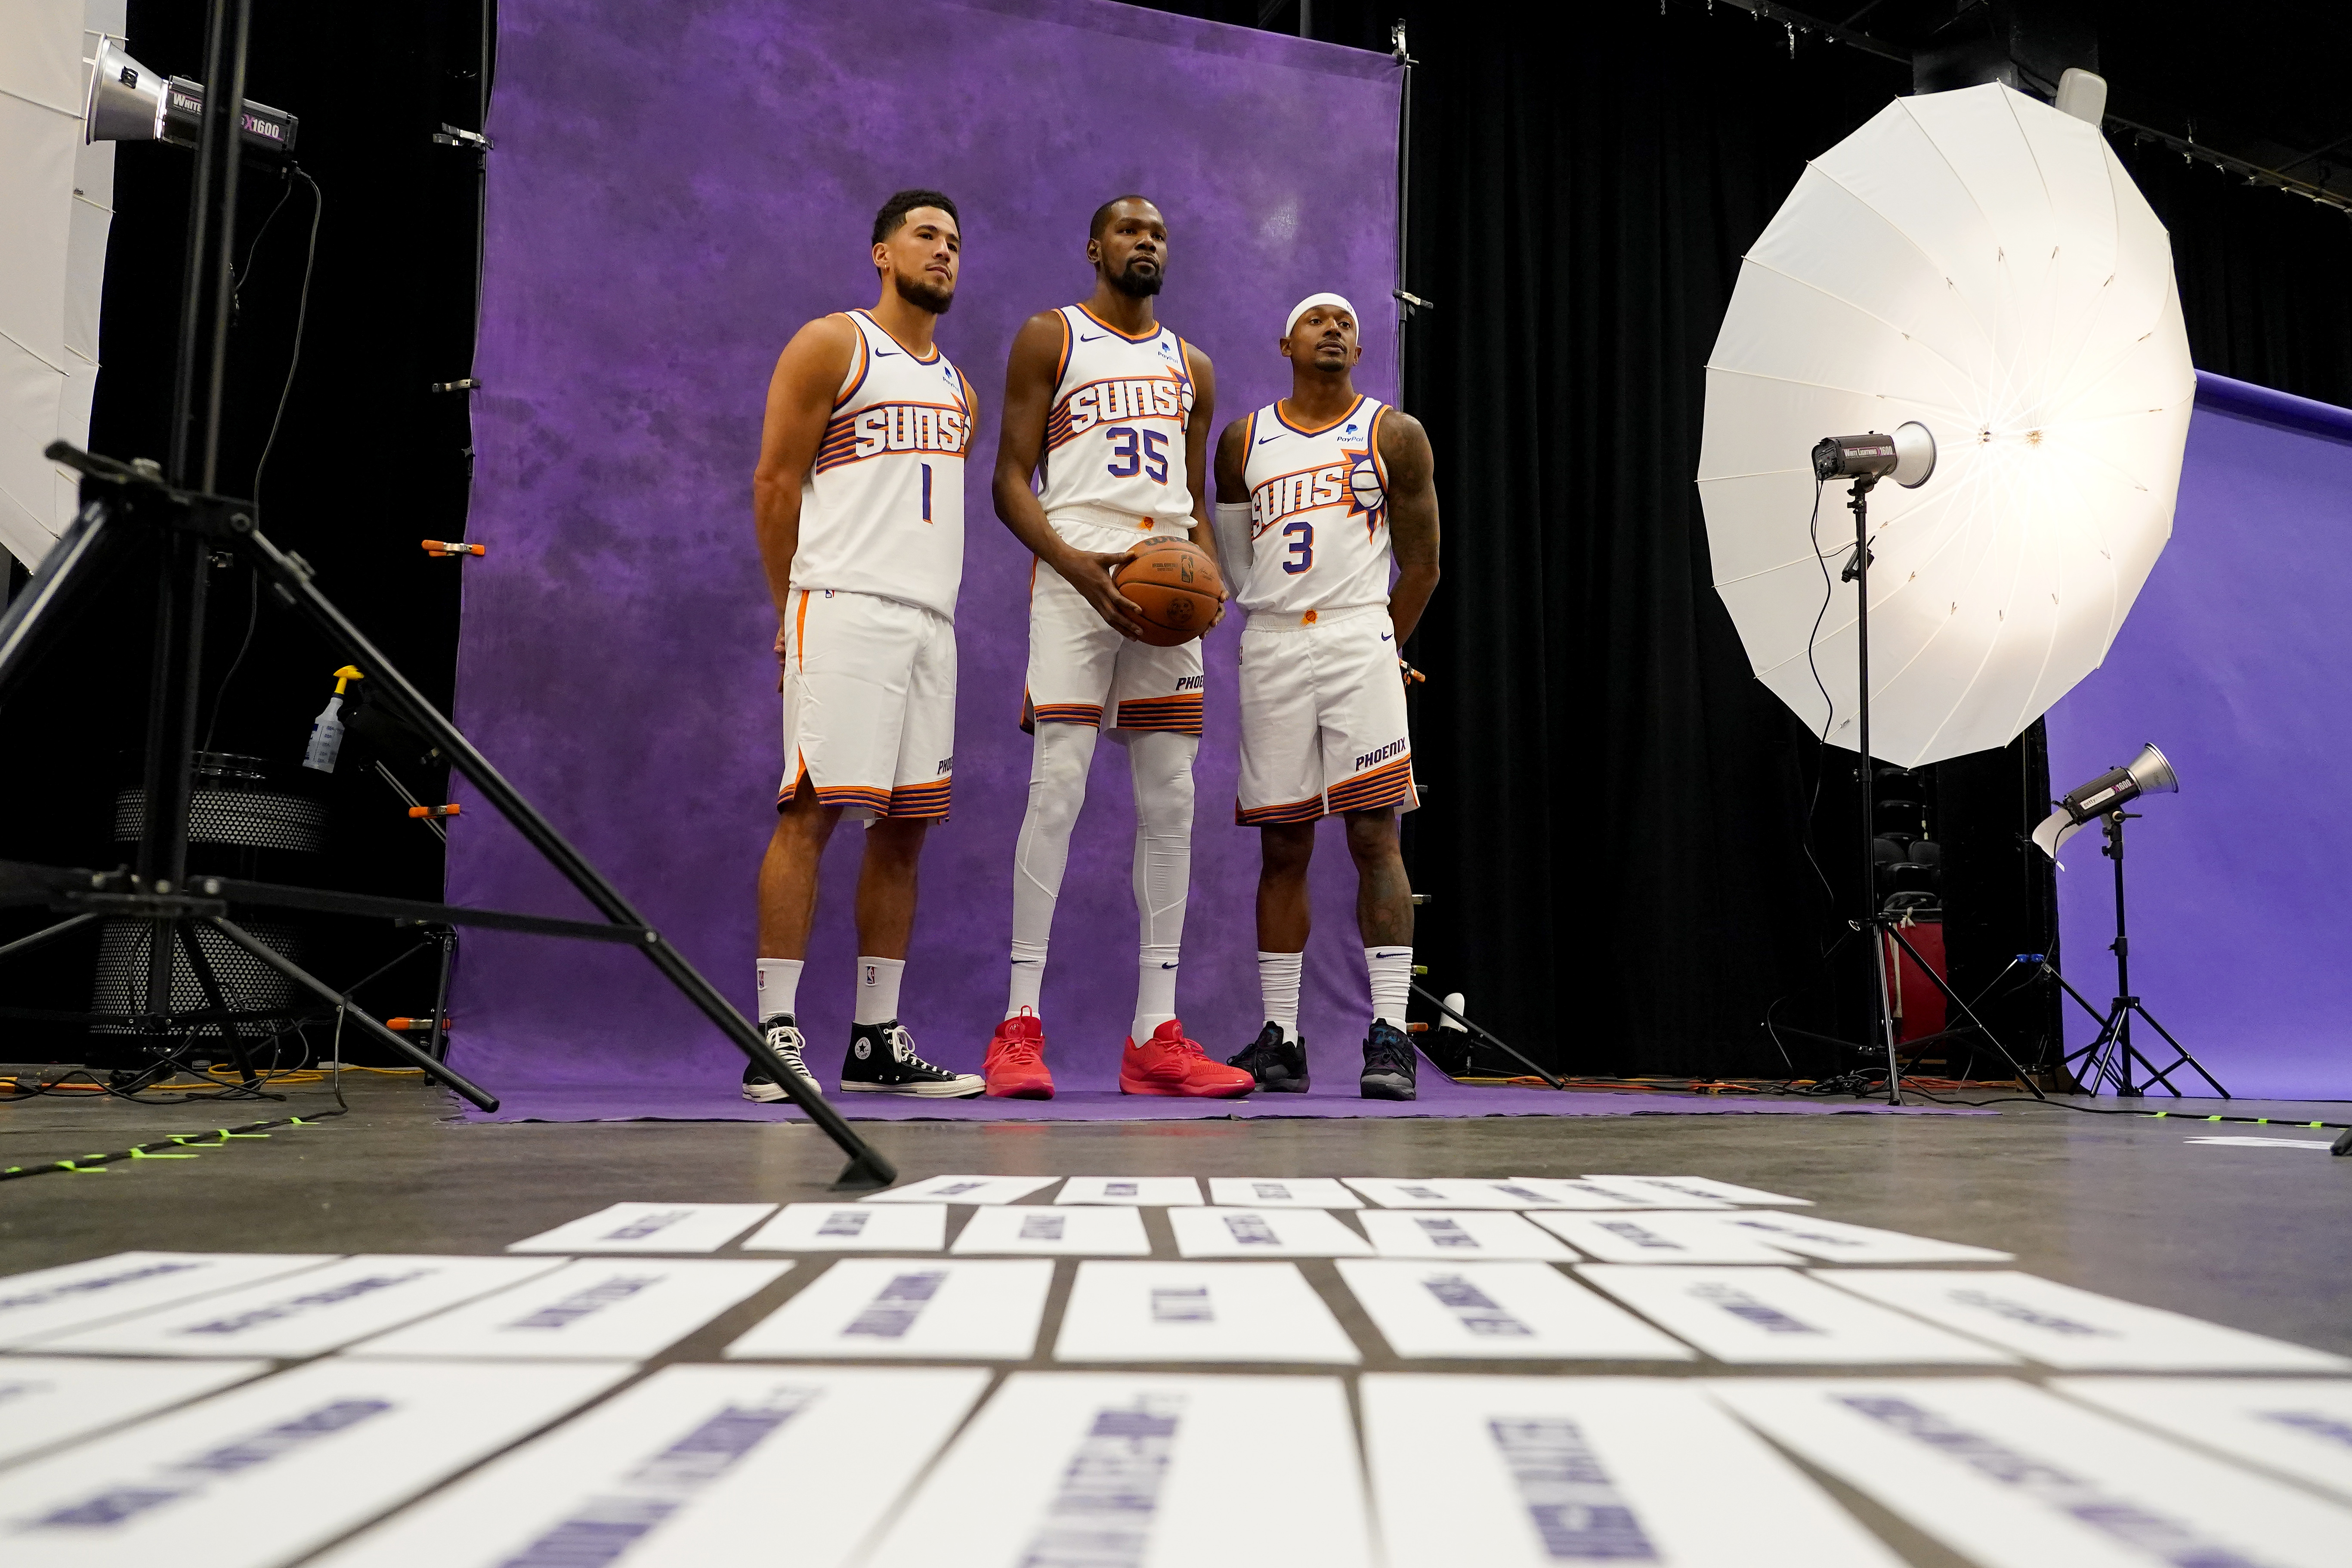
[
  {"x": 859, "y": 503},
  {"x": 1316, "y": 495},
  {"x": 1110, "y": 412}
]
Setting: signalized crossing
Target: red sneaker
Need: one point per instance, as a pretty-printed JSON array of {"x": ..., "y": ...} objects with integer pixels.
[
  {"x": 1168, "y": 1063},
  {"x": 1015, "y": 1065}
]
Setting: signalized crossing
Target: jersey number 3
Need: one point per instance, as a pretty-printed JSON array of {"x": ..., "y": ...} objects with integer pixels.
[
  {"x": 1301, "y": 536},
  {"x": 1127, "y": 461}
]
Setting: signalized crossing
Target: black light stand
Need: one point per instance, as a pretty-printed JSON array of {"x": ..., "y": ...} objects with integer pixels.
[
  {"x": 2109, "y": 1057},
  {"x": 123, "y": 504}
]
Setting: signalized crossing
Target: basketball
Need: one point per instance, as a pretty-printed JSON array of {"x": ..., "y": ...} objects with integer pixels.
[{"x": 1175, "y": 585}]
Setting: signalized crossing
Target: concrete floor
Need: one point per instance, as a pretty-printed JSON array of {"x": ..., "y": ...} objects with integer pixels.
[{"x": 2253, "y": 1238}]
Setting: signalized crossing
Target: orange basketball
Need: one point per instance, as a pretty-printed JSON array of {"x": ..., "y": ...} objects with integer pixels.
[{"x": 1175, "y": 584}]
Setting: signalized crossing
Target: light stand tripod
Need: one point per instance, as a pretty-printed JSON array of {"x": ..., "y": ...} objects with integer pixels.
[
  {"x": 1875, "y": 923},
  {"x": 2109, "y": 1057},
  {"x": 121, "y": 504}
]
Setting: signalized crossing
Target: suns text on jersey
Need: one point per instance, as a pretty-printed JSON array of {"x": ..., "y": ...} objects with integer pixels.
[
  {"x": 1302, "y": 491},
  {"x": 1141, "y": 397},
  {"x": 911, "y": 427}
]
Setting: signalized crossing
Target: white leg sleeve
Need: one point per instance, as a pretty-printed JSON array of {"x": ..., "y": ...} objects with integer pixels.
[
  {"x": 1058, "y": 787},
  {"x": 1160, "y": 761}
]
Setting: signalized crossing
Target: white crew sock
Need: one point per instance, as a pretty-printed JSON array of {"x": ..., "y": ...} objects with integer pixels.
[
  {"x": 1391, "y": 971},
  {"x": 877, "y": 989},
  {"x": 1277, "y": 981},
  {"x": 780, "y": 988},
  {"x": 1159, "y": 762},
  {"x": 1058, "y": 787}
]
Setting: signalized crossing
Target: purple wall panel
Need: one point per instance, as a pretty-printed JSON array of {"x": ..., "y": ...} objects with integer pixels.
[
  {"x": 2235, "y": 662},
  {"x": 676, "y": 188}
]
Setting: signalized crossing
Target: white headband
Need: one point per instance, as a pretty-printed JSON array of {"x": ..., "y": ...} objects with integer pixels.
[{"x": 1312, "y": 300}]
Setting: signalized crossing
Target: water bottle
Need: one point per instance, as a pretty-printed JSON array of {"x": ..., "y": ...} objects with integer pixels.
[{"x": 327, "y": 730}]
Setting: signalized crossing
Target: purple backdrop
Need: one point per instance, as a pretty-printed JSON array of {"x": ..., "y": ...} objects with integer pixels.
[
  {"x": 676, "y": 187},
  {"x": 2235, "y": 663}
]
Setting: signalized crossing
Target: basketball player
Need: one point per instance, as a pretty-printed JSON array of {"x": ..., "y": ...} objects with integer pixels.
[
  {"x": 1316, "y": 496},
  {"x": 858, "y": 500},
  {"x": 1110, "y": 411}
]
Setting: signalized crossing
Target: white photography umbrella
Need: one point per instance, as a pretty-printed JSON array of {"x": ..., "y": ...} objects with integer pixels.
[{"x": 1980, "y": 263}]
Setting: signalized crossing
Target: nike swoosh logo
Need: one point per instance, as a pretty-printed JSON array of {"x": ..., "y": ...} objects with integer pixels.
[
  {"x": 1264, "y": 439},
  {"x": 1167, "y": 966},
  {"x": 1386, "y": 635},
  {"x": 1406, "y": 954},
  {"x": 1096, "y": 339},
  {"x": 887, "y": 353}
]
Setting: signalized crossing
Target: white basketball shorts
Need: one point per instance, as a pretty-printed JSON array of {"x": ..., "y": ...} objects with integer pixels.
[
  {"x": 869, "y": 704},
  {"x": 1323, "y": 721},
  {"x": 1081, "y": 671}
]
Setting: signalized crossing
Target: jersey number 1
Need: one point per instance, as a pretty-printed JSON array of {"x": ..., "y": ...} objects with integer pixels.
[{"x": 927, "y": 492}]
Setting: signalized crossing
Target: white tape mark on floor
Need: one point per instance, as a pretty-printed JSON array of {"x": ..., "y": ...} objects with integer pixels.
[
  {"x": 590, "y": 1309},
  {"x": 1457, "y": 1233},
  {"x": 697, "y": 1466},
  {"x": 963, "y": 1190},
  {"x": 1149, "y": 1192},
  {"x": 1060, "y": 1232},
  {"x": 1832, "y": 1241},
  {"x": 2010, "y": 1477},
  {"x": 1114, "y": 1470},
  {"x": 1706, "y": 1188},
  {"x": 311, "y": 1312},
  {"x": 2265, "y": 1142},
  {"x": 1528, "y": 1472},
  {"x": 1502, "y": 1311},
  {"x": 1199, "y": 1312},
  {"x": 1778, "y": 1317},
  {"x": 873, "y": 1307},
  {"x": 2075, "y": 1330},
  {"x": 48, "y": 1302},
  {"x": 1461, "y": 1192},
  {"x": 1659, "y": 1238},
  {"x": 1282, "y": 1193},
  {"x": 2296, "y": 1427},
  {"x": 46, "y": 1401},
  {"x": 1263, "y": 1233},
  {"x": 852, "y": 1228},
  {"x": 262, "y": 1474},
  {"x": 650, "y": 1227}
]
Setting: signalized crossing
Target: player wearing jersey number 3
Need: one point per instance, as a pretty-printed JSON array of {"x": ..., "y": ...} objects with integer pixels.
[
  {"x": 1110, "y": 411},
  {"x": 1316, "y": 496},
  {"x": 858, "y": 502}
]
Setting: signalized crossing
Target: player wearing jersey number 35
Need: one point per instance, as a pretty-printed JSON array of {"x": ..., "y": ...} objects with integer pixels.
[
  {"x": 1316, "y": 495},
  {"x": 859, "y": 503}
]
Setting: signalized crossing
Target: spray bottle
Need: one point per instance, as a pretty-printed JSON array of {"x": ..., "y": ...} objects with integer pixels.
[{"x": 327, "y": 730}]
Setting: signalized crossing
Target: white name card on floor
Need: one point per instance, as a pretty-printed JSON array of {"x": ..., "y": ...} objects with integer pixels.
[
  {"x": 1263, "y": 1233},
  {"x": 1457, "y": 1233},
  {"x": 1657, "y": 1237},
  {"x": 2265, "y": 1142},
  {"x": 963, "y": 1190},
  {"x": 310, "y": 1313},
  {"x": 48, "y": 1302},
  {"x": 1832, "y": 1241},
  {"x": 1451, "y": 1192},
  {"x": 1705, "y": 1187},
  {"x": 2010, "y": 1477},
  {"x": 1121, "y": 1469},
  {"x": 964, "y": 1310},
  {"x": 1282, "y": 1193},
  {"x": 1499, "y": 1311},
  {"x": 590, "y": 1309},
  {"x": 2296, "y": 1427},
  {"x": 48, "y": 1400},
  {"x": 262, "y": 1474},
  {"x": 1778, "y": 1317},
  {"x": 1080, "y": 1232},
  {"x": 1528, "y": 1472},
  {"x": 650, "y": 1227},
  {"x": 1199, "y": 1312},
  {"x": 852, "y": 1228},
  {"x": 2075, "y": 1330},
  {"x": 696, "y": 1467},
  {"x": 1149, "y": 1192}
]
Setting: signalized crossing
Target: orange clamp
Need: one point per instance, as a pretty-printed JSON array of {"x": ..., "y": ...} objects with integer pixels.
[
  {"x": 417, "y": 1025},
  {"x": 431, "y": 811},
  {"x": 441, "y": 550}
]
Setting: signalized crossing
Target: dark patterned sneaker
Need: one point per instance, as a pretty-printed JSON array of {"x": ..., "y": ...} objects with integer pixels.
[
  {"x": 882, "y": 1060},
  {"x": 1388, "y": 1064},
  {"x": 1278, "y": 1064},
  {"x": 785, "y": 1039}
]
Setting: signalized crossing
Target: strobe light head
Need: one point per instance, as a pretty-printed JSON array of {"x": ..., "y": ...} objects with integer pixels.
[
  {"x": 129, "y": 102},
  {"x": 2148, "y": 773},
  {"x": 1907, "y": 456}
]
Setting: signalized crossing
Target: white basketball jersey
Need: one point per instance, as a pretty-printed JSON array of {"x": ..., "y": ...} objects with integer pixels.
[
  {"x": 1115, "y": 438},
  {"x": 1318, "y": 514},
  {"x": 882, "y": 509}
]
